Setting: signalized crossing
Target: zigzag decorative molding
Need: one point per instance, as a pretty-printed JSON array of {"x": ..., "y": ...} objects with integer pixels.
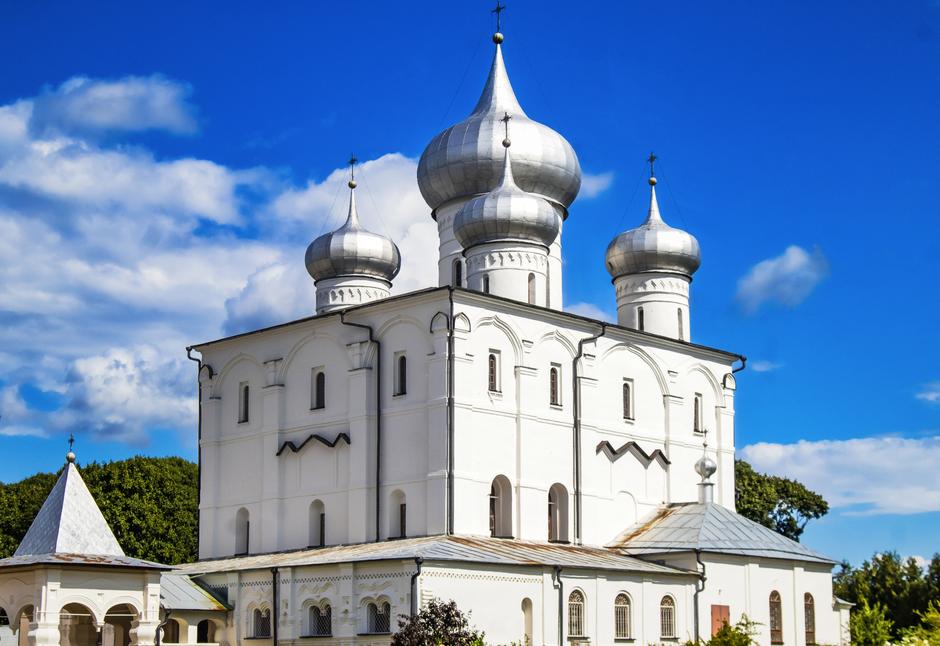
[
  {"x": 636, "y": 450},
  {"x": 313, "y": 436}
]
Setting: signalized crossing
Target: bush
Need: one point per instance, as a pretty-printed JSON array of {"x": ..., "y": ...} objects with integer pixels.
[
  {"x": 869, "y": 625},
  {"x": 437, "y": 624},
  {"x": 740, "y": 634}
]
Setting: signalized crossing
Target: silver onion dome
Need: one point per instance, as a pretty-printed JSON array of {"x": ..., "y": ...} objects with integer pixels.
[
  {"x": 654, "y": 246},
  {"x": 705, "y": 467},
  {"x": 352, "y": 250},
  {"x": 507, "y": 213},
  {"x": 466, "y": 160}
]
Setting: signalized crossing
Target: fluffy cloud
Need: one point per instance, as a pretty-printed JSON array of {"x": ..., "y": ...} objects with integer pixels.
[
  {"x": 786, "y": 279},
  {"x": 134, "y": 103},
  {"x": 593, "y": 185},
  {"x": 112, "y": 260},
  {"x": 591, "y": 311},
  {"x": 930, "y": 393},
  {"x": 762, "y": 365},
  {"x": 878, "y": 475}
]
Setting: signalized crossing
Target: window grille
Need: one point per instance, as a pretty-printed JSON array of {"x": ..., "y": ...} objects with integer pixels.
[
  {"x": 809, "y": 618},
  {"x": 492, "y": 373},
  {"x": 262, "y": 623},
  {"x": 402, "y": 520},
  {"x": 576, "y": 614},
  {"x": 554, "y": 399},
  {"x": 622, "y": 627},
  {"x": 321, "y": 621},
  {"x": 697, "y": 414},
  {"x": 380, "y": 618},
  {"x": 627, "y": 400},
  {"x": 776, "y": 618},
  {"x": 458, "y": 274},
  {"x": 667, "y": 618}
]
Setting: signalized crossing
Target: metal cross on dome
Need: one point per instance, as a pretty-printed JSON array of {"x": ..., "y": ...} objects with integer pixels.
[
  {"x": 71, "y": 442},
  {"x": 500, "y": 8},
  {"x": 652, "y": 160},
  {"x": 506, "y": 119}
]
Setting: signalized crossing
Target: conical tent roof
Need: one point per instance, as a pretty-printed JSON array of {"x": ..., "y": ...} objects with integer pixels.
[{"x": 69, "y": 522}]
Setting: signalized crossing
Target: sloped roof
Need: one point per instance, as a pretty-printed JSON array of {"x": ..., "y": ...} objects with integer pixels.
[
  {"x": 179, "y": 592},
  {"x": 710, "y": 527},
  {"x": 69, "y": 521},
  {"x": 466, "y": 549}
]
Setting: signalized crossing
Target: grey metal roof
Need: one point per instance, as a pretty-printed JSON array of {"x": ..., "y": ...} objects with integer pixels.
[
  {"x": 66, "y": 558},
  {"x": 69, "y": 522},
  {"x": 711, "y": 527},
  {"x": 179, "y": 592},
  {"x": 467, "y": 549}
]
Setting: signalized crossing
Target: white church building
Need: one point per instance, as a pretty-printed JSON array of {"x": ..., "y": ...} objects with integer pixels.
[{"x": 472, "y": 442}]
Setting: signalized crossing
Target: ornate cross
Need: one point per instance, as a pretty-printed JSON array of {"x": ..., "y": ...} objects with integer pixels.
[
  {"x": 352, "y": 167},
  {"x": 506, "y": 119},
  {"x": 500, "y": 8},
  {"x": 652, "y": 160}
]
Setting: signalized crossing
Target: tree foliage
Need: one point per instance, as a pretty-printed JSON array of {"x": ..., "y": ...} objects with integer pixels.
[
  {"x": 869, "y": 625},
  {"x": 437, "y": 624},
  {"x": 781, "y": 504},
  {"x": 901, "y": 587},
  {"x": 150, "y": 504},
  {"x": 740, "y": 634}
]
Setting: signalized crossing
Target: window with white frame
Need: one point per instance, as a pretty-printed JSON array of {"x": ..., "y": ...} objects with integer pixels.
[
  {"x": 500, "y": 507},
  {"x": 667, "y": 618},
  {"x": 576, "y": 614},
  {"x": 317, "y": 524},
  {"x": 627, "y": 393},
  {"x": 492, "y": 371},
  {"x": 697, "y": 414},
  {"x": 261, "y": 622},
  {"x": 320, "y": 621},
  {"x": 317, "y": 388},
  {"x": 623, "y": 627},
  {"x": 809, "y": 618},
  {"x": 244, "y": 397},
  {"x": 558, "y": 513},
  {"x": 378, "y": 617},
  {"x": 554, "y": 385},
  {"x": 776, "y": 618},
  {"x": 401, "y": 374}
]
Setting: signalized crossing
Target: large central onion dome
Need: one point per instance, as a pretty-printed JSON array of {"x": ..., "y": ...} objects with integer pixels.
[
  {"x": 653, "y": 247},
  {"x": 466, "y": 160},
  {"x": 353, "y": 251},
  {"x": 507, "y": 213}
]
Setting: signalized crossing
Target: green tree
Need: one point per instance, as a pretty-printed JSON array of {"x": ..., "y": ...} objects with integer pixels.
[
  {"x": 869, "y": 625},
  {"x": 928, "y": 632},
  {"x": 437, "y": 624},
  {"x": 740, "y": 634},
  {"x": 150, "y": 504},
  {"x": 781, "y": 504}
]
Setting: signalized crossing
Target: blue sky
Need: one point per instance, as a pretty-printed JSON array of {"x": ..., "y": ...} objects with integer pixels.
[{"x": 162, "y": 170}]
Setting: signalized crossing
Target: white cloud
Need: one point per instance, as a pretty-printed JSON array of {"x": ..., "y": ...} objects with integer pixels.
[
  {"x": 133, "y": 103},
  {"x": 591, "y": 311},
  {"x": 930, "y": 393},
  {"x": 593, "y": 185},
  {"x": 120, "y": 272},
  {"x": 786, "y": 279},
  {"x": 762, "y": 365},
  {"x": 877, "y": 475}
]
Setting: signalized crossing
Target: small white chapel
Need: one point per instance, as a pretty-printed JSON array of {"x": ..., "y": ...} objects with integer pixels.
[{"x": 566, "y": 481}]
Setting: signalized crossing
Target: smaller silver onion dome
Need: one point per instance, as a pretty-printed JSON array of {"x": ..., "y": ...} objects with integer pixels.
[
  {"x": 507, "y": 213},
  {"x": 352, "y": 250},
  {"x": 705, "y": 467},
  {"x": 654, "y": 246}
]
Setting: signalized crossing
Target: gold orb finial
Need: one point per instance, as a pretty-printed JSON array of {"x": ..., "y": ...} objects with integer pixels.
[
  {"x": 498, "y": 38},
  {"x": 352, "y": 183},
  {"x": 652, "y": 181}
]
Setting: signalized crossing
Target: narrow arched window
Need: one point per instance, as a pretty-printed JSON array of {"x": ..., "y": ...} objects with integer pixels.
[
  {"x": 809, "y": 618},
  {"x": 458, "y": 273},
  {"x": 681, "y": 325},
  {"x": 261, "y": 622},
  {"x": 776, "y": 618},
  {"x": 558, "y": 513},
  {"x": 697, "y": 421},
  {"x": 667, "y": 618},
  {"x": 486, "y": 284},
  {"x": 318, "y": 398},
  {"x": 317, "y": 520},
  {"x": 397, "y": 515},
  {"x": 320, "y": 621},
  {"x": 576, "y": 614},
  {"x": 500, "y": 508},
  {"x": 401, "y": 375},
  {"x": 171, "y": 632},
  {"x": 205, "y": 632},
  {"x": 640, "y": 319},
  {"x": 554, "y": 396},
  {"x": 531, "y": 289},
  {"x": 627, "y": 399},
  {"x": 623, "y": 628},
  {"x": 242, "y": 531},
  {"x": 492, "y": 368},
  {"x": 244, "y": 397}
]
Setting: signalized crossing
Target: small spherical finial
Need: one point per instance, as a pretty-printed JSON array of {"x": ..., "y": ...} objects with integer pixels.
[
  {"x": 70, "y": 457},
  {"x": 705, "y": 467},
  {"x": 652, "y": 181},
  {"x": 507, "y": 142},
  {"x": 498, "y": 38},
  {"x": 352, "y": 183}
]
